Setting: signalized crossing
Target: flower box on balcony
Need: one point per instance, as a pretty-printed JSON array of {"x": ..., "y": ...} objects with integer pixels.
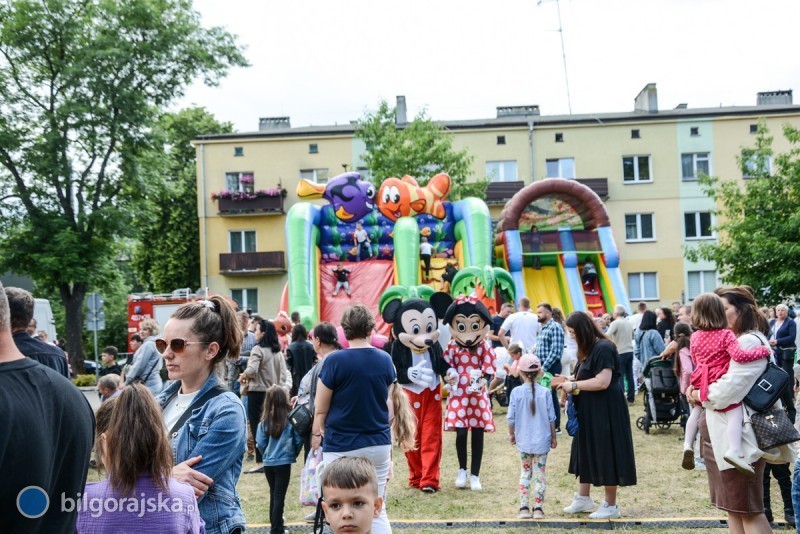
[{"x": 243, "y": 203}]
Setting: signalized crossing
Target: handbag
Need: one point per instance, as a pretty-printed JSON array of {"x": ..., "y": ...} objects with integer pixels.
[
  {"x": 310, "y": 479},
  {"x": 768, "y": 388},
  {"x": 773, "y": 428},
  {"x": 572, "y": 417},
  {"x": 301, "y": 418}
]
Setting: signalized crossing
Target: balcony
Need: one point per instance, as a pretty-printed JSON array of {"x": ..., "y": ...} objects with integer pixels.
[
  {"x": 260, "y": 205},
  {"x": 598, "y": 185},
  {"x": 252, "y": 263},
  {"x": 501, "y": 192}
]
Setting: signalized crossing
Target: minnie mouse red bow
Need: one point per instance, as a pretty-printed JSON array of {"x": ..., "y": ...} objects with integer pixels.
[{"x": 472, "y": 299}]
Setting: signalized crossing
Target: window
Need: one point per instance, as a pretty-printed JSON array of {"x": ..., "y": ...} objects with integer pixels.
[
  {"x": 313, "y": 148},
  {"x": 238, "y": 151},
  {"x": 693, "y": 164},
  {"x": 636, "y": 169},
  {"x": 560, "y": 168},
  {"x": 701, "y": 282},
  {"x": 755, "y": 165},
  {"x": 698, "y": 225},
  {"x": 753, "y": 128},
  {"x": 501, "y": 171},
  {"x": 643, "y": 286},
  {"x": 559, "y": 138},
  {"x": 694, "y": 131},
  {"x": 241, "y": 182},
  {"x": 246, "y": 299},
  {"x": 242, "y": 241},
  {"x": 501, "y": 139},
  {"x": 319, "y": 176},
  {"x": 639, "y": 227},
  {"x": 635, "y": 134}
]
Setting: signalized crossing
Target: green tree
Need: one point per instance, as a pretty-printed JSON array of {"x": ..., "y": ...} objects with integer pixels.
[
  {"x": 169, "y": 225},
  {"x": 421, "y": 148},
  {"x": 758, "y": 222},
  {"x": 81, "y": 85}
]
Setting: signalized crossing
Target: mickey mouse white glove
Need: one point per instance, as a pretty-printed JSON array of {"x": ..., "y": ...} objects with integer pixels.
[{"x": 422, "y": 376}]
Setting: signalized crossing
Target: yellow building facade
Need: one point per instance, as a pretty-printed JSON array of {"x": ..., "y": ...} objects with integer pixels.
[{"x": 643, "y": 164}]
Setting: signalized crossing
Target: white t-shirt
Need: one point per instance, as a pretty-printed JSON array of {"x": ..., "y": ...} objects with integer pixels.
[
  {"x": 425, "y": 248},
  {"x": 361, "y": 235},
  {"x": 635, "y": 321},
  {"x": 175, "y": 408},
  {"x": 524, "y": 328}
]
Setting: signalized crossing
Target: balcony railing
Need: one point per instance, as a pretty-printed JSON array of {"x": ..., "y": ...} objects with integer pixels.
[
  {"x": 249, "y": 263},
  {"x": 598, "y": 185},
  {"x": 256, "y": 206},
  {"x": 501, "y": 192}
]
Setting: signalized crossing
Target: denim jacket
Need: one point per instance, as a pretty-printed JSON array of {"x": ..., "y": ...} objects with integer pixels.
[
  {"x": 217, "y": 431},
  {"x": 280, "y": 451}
]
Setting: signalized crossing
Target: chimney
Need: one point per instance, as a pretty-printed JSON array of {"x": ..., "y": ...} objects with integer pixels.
[
  {"x": 400, "y": 112},
  {"x": 517, "y": 111},
  {"x": 273, "y": 123},
  {"x": 768, "y": 98},
  {"x": 647, "y": 100}
]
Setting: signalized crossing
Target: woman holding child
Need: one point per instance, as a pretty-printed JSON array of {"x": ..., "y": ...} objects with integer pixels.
[{"x": 739, "y": 494}]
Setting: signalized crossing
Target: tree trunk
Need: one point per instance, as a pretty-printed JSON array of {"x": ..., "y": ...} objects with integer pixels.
[{"x": 72, "y": 298}]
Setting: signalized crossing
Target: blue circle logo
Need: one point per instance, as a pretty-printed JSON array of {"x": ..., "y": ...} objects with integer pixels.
[{"x": 32, "y": 502}]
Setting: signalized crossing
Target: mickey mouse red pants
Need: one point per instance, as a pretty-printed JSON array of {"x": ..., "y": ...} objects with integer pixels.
[{"x": 423, "y": 462}]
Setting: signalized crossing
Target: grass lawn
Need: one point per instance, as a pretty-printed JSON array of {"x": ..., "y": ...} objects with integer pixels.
[{"x": 664, "y": 489}]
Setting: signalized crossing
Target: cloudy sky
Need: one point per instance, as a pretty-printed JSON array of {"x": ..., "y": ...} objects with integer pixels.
[{"x": 324, "y": 62}]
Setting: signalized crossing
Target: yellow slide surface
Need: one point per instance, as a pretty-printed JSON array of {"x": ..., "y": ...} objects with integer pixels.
[{"x": 543, "y": 285}]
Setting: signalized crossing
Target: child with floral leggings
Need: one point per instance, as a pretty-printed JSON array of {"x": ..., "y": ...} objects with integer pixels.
[{"x": 531, "y": 427}]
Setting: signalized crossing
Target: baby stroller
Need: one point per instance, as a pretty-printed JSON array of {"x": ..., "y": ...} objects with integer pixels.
[{"x": 662, "y": 405}]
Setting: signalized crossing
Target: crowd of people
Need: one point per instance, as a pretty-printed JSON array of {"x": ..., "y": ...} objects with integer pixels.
[{"x": 232, "y": 381}]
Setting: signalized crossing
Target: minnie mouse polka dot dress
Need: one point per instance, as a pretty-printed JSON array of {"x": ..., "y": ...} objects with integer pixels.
[{"x": 469, "y": 410}]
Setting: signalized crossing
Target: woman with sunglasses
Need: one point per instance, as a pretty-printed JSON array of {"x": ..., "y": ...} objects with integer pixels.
[{"x": 206, "y": 422}]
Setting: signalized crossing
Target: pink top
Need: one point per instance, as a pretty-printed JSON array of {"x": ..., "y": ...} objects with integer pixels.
[
  {"x": 712, "y": 352},
  {"x": 686, "y": 368}
]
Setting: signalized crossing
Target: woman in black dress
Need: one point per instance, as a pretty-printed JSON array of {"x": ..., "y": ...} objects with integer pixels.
[{"x": 602, "y": 450}]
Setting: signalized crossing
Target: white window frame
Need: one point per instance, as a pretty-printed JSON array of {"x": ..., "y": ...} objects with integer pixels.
[
  {"x": 747, "y": 166},
  {"x": 702, "y": 284},
  {"x": 240, "y": 234},
  {"x": 640, "y": 239},
  {"x": 641, "y": 295},
  {"x": 246, "y": 300},
  {"x": 636, "y": 179},
  {"x": 500, "y": 167},
  {"x": 560, "y": 168},
  {"x": 698, "y": 226},
  {"x": 315, "y": 175},
  {"x": 696, "y": 156},
  {"x": 240, "y": 187}
]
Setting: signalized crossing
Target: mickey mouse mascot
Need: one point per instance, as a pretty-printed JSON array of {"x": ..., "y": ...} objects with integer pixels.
[
  {"x": 418, "y": 359},
  {"x": 471, "y": 355}
]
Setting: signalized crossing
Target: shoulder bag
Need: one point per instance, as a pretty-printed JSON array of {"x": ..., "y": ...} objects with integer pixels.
[
  {"x": 768, "y": 388},
  {"x": 301, "y": 416}
]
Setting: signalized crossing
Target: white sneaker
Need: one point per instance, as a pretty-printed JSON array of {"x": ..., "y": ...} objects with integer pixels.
[
  {"x": 739, "y": 463},
  {"x": 475, "y": 483},
  {"x": 461, "y": 479},
  {"x": 605, "y": 512},
  {"x": 580, "y": 504}
]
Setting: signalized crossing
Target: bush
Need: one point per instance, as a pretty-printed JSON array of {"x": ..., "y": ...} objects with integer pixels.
[{"x": 85, "y": 380}]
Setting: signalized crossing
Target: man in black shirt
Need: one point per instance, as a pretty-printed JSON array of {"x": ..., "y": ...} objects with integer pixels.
[
  {"x": 46, "y": 436},
  {"x": 497, "y": 322},
  {"x": 21, "y": 302},
  {"x": 110, "y": 365},
  {"x": 342, "y": 277}
]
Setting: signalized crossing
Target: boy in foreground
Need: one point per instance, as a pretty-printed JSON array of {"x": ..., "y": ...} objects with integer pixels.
[{"x": 350, "y": 490}]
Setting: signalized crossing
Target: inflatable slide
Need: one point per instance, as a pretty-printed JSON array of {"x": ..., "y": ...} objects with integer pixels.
[{"x": 547, "y": 233}]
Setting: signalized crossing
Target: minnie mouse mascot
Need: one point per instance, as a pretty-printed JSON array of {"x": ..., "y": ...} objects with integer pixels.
[
  {"x": 472, "y": 356},
  {"x": 418, "y": 359}
]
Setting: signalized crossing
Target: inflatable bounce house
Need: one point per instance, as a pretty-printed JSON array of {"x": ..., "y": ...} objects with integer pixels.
[
  {"x": 395, "y": 218},
  {"x": 546, "y": 234}
]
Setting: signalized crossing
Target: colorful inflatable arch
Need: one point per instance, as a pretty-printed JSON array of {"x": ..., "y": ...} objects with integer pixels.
[
  {"x": 547, "y": 232},
  {"x": 320, "y": 237}
]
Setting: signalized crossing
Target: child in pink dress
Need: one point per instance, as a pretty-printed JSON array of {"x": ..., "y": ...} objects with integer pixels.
[{"x": 713, "y": 346}]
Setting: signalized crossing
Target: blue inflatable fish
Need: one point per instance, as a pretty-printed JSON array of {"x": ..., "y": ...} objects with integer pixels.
[{"x": 351, "y": 197}]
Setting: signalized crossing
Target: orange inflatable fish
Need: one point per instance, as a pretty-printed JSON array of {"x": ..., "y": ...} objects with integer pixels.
[{"x": 404, "y": 197}]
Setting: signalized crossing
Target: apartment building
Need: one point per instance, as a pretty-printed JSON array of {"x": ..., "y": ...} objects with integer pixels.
[{"x": 644, "y": 163}]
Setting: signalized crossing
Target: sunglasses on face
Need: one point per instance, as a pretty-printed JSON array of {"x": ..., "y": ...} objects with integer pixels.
[{"x": 177, "y": 345}]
